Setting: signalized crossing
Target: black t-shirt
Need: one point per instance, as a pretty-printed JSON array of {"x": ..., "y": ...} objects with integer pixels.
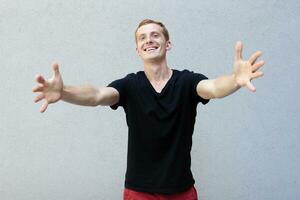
[{"x": 160, "y": 128}]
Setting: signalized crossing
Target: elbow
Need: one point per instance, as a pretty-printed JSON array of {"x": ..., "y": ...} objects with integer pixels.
[{"x": 98, "y": 98}]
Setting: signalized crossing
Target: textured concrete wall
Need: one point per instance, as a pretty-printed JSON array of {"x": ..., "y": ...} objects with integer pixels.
[{"x": 246, "y": 146}]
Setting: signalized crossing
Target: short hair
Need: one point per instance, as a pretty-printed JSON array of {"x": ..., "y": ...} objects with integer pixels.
[{"x": 150, "y": 21}]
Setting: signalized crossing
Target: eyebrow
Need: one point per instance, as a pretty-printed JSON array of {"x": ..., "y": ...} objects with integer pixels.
[{"x": 150, "y": 34}]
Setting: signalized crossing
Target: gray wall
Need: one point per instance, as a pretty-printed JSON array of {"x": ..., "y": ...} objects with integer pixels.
[{"x": 246, "y": 146}]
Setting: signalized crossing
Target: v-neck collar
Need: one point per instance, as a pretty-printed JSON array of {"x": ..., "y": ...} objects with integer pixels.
[{"x": 165, "y": 86}]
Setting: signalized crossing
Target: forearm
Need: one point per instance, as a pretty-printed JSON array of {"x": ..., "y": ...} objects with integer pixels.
[
  {"x": 85, "y": 95},
  {"x": 225, "y": 85},
  {"x": 243, "y": 72}
]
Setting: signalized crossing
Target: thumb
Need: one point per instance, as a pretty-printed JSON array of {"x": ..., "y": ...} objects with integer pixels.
[
  {"x": 250, "y": 86},
  {"x": 55, "y": 69},
  {"x": 238, "y": 50}
]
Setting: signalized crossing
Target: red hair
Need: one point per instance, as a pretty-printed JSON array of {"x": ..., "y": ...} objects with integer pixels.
[{"x": 150, "y": 21}]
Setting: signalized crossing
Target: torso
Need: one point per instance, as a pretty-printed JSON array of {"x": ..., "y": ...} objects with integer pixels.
[{"x": 159, "y": 86}]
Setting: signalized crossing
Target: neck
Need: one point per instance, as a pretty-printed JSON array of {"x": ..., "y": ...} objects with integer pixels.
[{"x": 157, "y": 71}]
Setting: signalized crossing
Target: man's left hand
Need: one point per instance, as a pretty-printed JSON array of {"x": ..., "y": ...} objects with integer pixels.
[{"x": 246, "y": 70}]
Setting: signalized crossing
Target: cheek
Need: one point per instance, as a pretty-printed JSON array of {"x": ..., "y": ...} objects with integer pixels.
[
  {"x": 139, "y": 50},
  {"x": 139, "y": 46}
]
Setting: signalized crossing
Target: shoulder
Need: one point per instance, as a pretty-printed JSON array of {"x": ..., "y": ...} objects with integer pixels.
[
  {"x": 129, "y": 77},
  {"x": 185, "y": 73},
  {"x": 134, "y": 75}
]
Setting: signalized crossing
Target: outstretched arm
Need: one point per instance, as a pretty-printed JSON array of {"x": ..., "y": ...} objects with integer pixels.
[
  {"x": 89, "y": 95},
  {"x": 243, "y": 72},
  {"x": 53, "y": 90}
]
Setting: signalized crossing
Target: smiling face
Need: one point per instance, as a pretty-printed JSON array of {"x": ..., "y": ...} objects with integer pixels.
[{"x": 151, "y": 45}]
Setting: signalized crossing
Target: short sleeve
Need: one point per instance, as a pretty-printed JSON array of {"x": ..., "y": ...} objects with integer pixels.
[
  {"x": 194, "y": 79},
  {"x": 121, "y": 86}
]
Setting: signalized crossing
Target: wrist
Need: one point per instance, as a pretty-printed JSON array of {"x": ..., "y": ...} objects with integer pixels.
[
  {"x": 64, "y": 92},
  {"x": 235, "y": 81}
]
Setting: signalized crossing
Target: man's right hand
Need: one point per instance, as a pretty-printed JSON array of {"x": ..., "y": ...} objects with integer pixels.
[{"x": 50, "y": 90}]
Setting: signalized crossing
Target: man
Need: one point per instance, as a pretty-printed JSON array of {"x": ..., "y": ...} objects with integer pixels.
[{"x": 160, "y": 105}]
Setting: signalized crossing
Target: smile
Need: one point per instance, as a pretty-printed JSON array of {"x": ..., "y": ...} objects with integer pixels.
[{"x": 151, "y": 48}]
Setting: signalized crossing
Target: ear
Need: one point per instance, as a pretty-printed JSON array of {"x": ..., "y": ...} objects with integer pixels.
[
  {"x": 136, "y": 51},
  {"x": 168, "y": 45}
]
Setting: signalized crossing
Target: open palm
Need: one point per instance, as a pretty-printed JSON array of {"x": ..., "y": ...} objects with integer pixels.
[
  {"x": 50, "y": 90},
  {"x": 246, "y": 70}
]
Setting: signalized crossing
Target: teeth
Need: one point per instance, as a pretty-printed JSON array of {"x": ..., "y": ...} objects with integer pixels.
[{"x": 150, "y": 49}]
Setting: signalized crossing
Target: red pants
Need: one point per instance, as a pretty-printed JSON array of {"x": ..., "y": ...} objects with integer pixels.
[{"x": 189, "y": 194}]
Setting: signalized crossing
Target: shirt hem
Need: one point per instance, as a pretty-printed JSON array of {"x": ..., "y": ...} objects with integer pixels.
[{"x": 161, "y": 190}]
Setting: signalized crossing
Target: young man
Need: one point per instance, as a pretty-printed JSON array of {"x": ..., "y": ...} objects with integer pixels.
[{"x": 160, "y": 105}]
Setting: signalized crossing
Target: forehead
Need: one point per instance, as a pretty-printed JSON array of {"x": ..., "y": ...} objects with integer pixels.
[{"x": 148, "y": 28}]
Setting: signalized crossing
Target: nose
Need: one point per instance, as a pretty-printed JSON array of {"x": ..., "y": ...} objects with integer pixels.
[{"x": 148, "y": 40}]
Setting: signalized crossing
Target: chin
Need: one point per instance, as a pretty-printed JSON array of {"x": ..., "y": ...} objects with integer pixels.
[{"x": 152, "y": 57}]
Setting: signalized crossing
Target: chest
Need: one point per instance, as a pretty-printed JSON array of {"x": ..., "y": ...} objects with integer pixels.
[
  {"x": 158, "y": 86},
  {"x": 157, "y": 100}
]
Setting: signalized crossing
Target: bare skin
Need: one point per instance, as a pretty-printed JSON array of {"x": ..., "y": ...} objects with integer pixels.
[
  {"x": 53, "y": 90},
  {"x": 155, "y": 62},
  {"x": 152, "y": 47},
  {"x": 50, "y": 90},
  {"x": 244, "y": 71}
]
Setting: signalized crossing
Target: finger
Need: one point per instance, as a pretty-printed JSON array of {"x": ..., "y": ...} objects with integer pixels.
[
  {"x": 38, "y": 88},
  {"x": 55, "y": 69},
  {"x": 39, "y": 97},
  {"x": 250, "y": 87},
  {"x": 254, "y": 57},
  {"x": 44, "y": 107},
  {"x": 256, "y": 66},
  {"x": 238, "y": 50},
  {"x": 40, "y": 79},
  {"x": 257, "y": 74}
]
